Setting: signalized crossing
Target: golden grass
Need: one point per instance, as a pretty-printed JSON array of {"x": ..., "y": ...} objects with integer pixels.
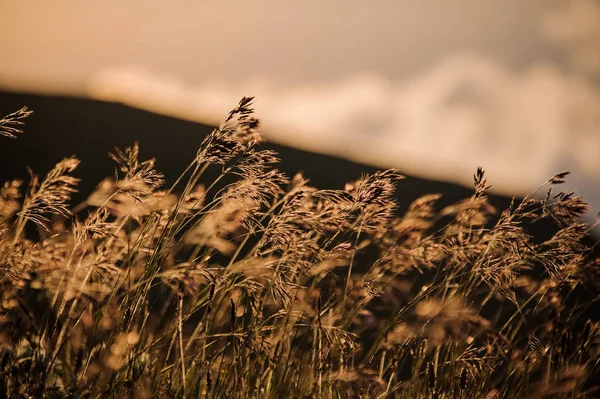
[{"x": 257, "y": 286}]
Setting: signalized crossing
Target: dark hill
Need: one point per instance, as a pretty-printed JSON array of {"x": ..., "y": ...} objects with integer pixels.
[{"x": 62, "y": 126}]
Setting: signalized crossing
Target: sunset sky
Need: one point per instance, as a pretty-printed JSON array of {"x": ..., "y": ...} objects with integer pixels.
[{"x": 433, "y": 88}]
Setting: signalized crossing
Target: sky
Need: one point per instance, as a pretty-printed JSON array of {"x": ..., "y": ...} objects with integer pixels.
[{"x": 434, "y": 88}]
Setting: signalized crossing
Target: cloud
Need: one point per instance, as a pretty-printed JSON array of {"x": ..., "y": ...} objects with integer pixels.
[
  {"x": 433, "y": 89},
  {"x": 522, "y": 126}
]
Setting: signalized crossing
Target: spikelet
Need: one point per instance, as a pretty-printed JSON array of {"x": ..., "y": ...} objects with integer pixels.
[
  {"x": 51, "y": 196},
  {"x": 9, "y": 124}
]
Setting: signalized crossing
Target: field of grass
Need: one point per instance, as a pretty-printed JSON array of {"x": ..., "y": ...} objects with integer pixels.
[{"x": 257, "y": 285}]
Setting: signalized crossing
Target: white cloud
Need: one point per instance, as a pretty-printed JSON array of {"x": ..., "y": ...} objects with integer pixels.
[{"x": 522, "y": 126}]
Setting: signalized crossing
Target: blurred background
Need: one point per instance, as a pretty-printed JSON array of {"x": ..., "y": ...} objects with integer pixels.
[{"x": 433, "y": 88}]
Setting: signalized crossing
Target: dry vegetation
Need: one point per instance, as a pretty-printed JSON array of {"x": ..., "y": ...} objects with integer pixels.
[{"x": 260, "y": 286}]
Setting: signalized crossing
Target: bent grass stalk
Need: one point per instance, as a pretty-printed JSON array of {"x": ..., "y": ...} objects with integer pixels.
[{"x": 456, "y": 302}]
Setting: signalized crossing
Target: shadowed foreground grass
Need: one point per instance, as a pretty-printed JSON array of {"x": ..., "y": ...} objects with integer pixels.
[{"x": 257, "y": 285}]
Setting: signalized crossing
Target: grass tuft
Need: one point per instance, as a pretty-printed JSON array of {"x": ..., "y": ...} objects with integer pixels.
[{"x": 256, "y": 285}]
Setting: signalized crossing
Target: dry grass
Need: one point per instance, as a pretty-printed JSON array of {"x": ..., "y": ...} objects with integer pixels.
[{"x": 258, "y": 286}]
